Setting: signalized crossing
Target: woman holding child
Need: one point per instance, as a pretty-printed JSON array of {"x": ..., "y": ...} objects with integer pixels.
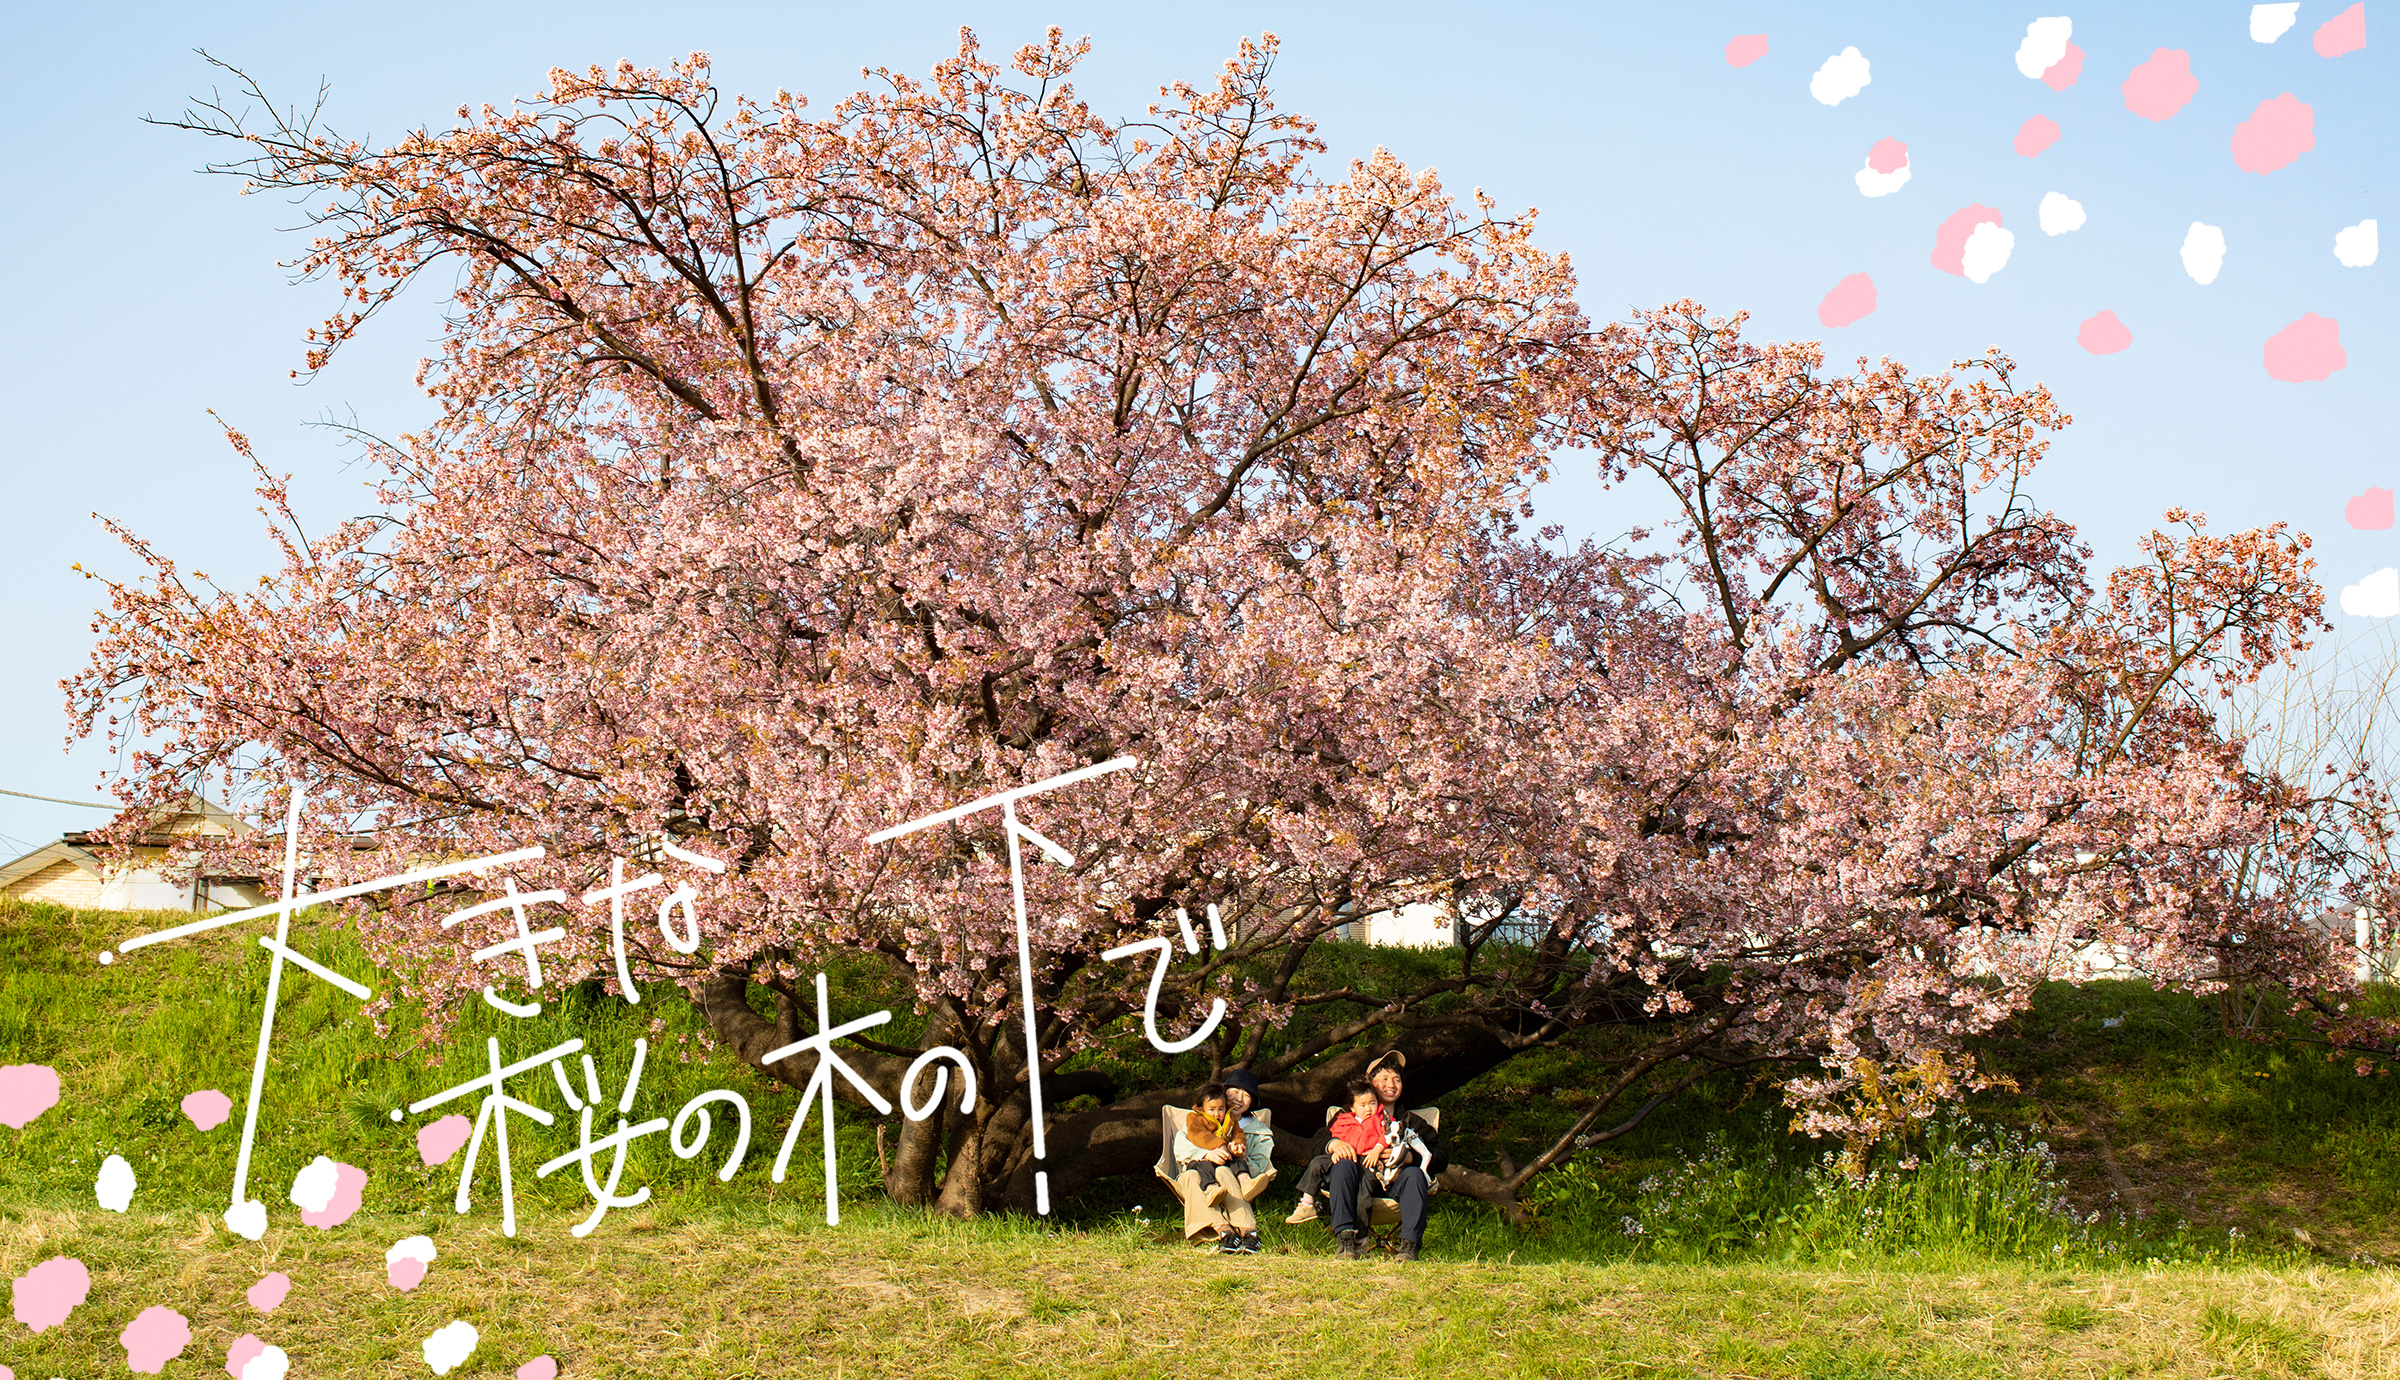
[{"x": 1222, "y": 1155}]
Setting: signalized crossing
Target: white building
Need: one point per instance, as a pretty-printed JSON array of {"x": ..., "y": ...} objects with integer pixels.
[
  {"x": 82, "y": 872},
  {"x": 1423, "y": 925}
]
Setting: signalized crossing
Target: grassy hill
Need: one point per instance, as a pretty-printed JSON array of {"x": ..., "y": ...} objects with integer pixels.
[{"x": 2191, "y": 1203}]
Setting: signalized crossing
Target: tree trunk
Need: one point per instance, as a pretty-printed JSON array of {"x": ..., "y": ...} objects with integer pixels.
[
  {"x": 962, "y": 1183},
  {"x": 912, "y": 1178},
  {"x": 724, "y": 1000},
  {"x": 1499, "y": 1193}
]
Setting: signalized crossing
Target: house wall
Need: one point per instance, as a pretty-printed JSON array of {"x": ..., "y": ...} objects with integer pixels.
[
  {"x": 1425, "y": 925},
  {"x": 131, "y": 884},
  {"x": 136, "y": 877},
  {"x": 140, "y": 890},
  {"x": 233, "y": 896},
  {"x": 62, "y": 883},
  {"x": 65, "y": 884}
]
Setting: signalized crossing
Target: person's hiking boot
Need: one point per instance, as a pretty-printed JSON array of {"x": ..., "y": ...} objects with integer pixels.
[
  {"x": 1250, "y": 1243},
  {"x": 1404, "y": 1251},
  {"x": 1306, "y": 1212},
  {"x": 1351, "y": 1242},
  {"x": 1229, "y": 1243}
]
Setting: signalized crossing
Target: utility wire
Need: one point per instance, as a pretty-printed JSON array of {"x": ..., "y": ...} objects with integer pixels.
[{"x": 54, "y": 800}]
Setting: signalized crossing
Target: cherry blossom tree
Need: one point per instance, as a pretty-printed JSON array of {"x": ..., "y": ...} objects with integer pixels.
[
  {"x": 798, "y": 477},
  {"x": 2322, "y": 723}
]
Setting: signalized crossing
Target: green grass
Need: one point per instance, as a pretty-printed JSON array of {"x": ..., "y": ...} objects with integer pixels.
[
  {"x": 2001, "y": 1254},
  {"x": 2070, "y": 1317},
  {"x": 2224, "y": 1145},
  {"x": 2267, "y": 1137},
  {"x": 2236, "y": 1334},
  {"x": 130, "y": 1039}
]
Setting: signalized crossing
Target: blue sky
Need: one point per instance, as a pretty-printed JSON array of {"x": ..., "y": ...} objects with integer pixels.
[{"x": 142, "y": 294}]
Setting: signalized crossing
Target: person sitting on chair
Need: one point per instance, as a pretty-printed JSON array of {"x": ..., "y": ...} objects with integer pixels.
[
  {"x": 1408, "y": 1155},
  {"x": 1256, "y": 1168},
  {"x": 1384, "y": 1072},
  {"x": 1207, "y": 1146}
]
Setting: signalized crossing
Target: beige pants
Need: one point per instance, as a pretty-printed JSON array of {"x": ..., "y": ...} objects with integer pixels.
[{"x": 1233, "y": 1214}]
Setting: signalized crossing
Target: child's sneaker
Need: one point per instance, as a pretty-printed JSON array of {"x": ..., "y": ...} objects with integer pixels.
[{"x": 1306, "y": 1212}]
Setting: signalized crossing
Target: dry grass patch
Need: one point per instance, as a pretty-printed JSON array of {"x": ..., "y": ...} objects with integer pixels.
[{"x": 894, "y": 1294}]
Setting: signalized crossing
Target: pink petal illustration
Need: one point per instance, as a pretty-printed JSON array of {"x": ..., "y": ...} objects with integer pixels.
[
  {"x": 2060, "y": 75},
  {"x": 405, "y": 1274},
  {"x": 207, "y": 1108},
  {"x": 1746, "y": 49},
  {"x": 439, "y": 1140},
  {"x": 2104, "y": 334},
  {"x": 1950, "y": 242},
  {"x": 2163, "y": 85},
  {"x": 2277, "y": 132},
  {"x": 2370, "y": 511},
  {"x": 157, "y": 1335},
  {"x": 539, "y": 1368},
  {"x": 349, "y": 1182},
  {"x": 1851, "y": 298},
  {"x": 2344, "y": 33},
  {"x": 47, "y": 1293},
  {"x": 26, "y": 1091},
  {"x": 244, "y": 1350},
  {"x": 1888, "y": 156},
  {"x": 2308, "y": 349},
  {"x": 269, "y": 1292},
  {"x": 2036, "y": 134}
]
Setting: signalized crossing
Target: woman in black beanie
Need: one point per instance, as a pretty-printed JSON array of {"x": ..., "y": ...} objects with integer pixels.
[{"x": 1257, "y": 1167}]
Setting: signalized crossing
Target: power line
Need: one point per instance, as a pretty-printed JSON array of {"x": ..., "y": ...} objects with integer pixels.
[{"x": 54, "y": 800}]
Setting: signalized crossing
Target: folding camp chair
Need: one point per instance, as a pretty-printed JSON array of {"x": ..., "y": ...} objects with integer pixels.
[
  {"x": 1382, "y": 1217},
  {"x": 1171, "y": 1118}
]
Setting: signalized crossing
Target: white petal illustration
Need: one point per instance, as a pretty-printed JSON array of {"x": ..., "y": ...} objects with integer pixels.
[
  {"x": 2061, "y": 213},
  {"x": 2203, "y": 252}
]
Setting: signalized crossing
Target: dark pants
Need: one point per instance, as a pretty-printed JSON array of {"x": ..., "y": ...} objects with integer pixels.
[
  {"x": 1348, "y": 1182},
  {"x": 1312, "y": 1182}
]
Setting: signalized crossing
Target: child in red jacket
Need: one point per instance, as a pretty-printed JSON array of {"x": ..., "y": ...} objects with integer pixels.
[{"x": 1366, "y": 1127}]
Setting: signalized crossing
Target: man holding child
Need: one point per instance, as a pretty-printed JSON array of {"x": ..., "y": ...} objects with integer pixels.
[{"x": 1376, "y": 1148}]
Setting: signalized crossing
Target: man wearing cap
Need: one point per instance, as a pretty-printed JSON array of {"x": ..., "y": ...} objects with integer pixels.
[{"x": 1402, "y": 1171}]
